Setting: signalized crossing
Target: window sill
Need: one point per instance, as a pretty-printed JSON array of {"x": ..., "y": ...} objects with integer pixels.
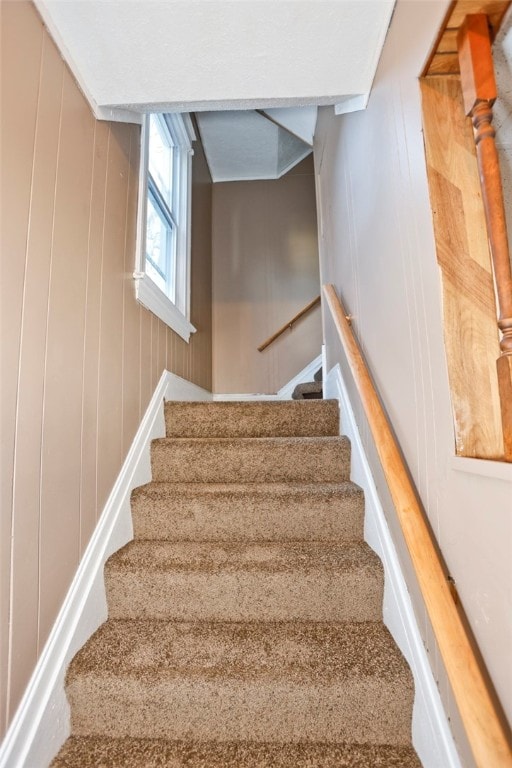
[{"x": 157, "y": 302}]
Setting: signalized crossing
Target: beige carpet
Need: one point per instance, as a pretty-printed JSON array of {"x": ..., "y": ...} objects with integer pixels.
[{"x": 245, "y": 620}]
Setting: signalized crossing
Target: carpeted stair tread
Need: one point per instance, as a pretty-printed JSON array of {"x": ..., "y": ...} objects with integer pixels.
[
  {"x": 269, "y": 556},
  {"x": 243, "y": 581},
  {"x": 284, "y": 418},
  {"x": 277, "y": 682},
  {"x": 251, "y": 460},
  {"x": 297, "y": 651},
  {"x": 256, "y": 511},
  {"x": 92, "y": 752},
  {"x": 245, "y": 618}
]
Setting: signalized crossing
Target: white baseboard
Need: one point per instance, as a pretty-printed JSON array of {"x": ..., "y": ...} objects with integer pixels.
[
  {"x": 431, "y": 734},
  {"x": 41, "y": 723},
  {"x": 181, "y": 389},
  {"x": 285, "y": 392}
]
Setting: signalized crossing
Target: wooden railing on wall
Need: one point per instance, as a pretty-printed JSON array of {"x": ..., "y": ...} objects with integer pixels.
[
  {"x": 482, "y": 721},
  {"x": 479, "y": 94},
  {"x": 289, "y": 324}
]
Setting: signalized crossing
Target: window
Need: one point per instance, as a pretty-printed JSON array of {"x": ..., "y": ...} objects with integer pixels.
[{"x": 162, "y": 275}]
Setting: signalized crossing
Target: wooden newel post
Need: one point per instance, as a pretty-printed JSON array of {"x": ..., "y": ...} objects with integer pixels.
[{"x": 479, "y": 93}]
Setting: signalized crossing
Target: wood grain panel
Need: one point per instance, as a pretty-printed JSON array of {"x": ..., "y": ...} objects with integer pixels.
[
  {"x": 471, "y": 337},
  {"x": 162, "y": 349},
  {"x": 448, "y": 41},
  {"x": 201, "y": 278},
  {"x": 88, "y": 466},
  {"x": 495, "y": 10},
  {"x": 27, "y": 471},
  {"x": 131, "y": 309},
  {"x": 446, "y": 63},
  {"x": 443, "y": 59},
  {"x": 155, "y": 333},
  {"x": 111, "y": 330},
  {"x": 19, "y": 100},
  {"x": 145, "y": 359},
  {"x": 81, "y": 355},
  {"x": 61, "y": 446}
]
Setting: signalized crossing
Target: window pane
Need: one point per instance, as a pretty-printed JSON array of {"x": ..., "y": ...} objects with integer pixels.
[
  {"x": 161, "y": 157},
  {"x": 160, "y": 250}
]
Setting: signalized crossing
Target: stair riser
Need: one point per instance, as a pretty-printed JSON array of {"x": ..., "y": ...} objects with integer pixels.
[
  {"x": 133, "y": 753},
  {"x": 281, "y": 419},
  {"x": 246, "y": 596},
  {"x": 226, "y": 517},
  {"x": 251, "y": 461},
  {"x": 361, "y": 711}
]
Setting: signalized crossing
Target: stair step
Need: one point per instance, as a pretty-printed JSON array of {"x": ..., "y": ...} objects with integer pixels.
[
  {"x": 88, "y": 751},
  {"x": 282, "y": 682},
  {"x": 257, "y": 511},
  {"x": 275, "y": 418},
  {"x": 254, "y": 460},
  {"x": 230, "y": 581},
  {"x": 308, "y": 391}
]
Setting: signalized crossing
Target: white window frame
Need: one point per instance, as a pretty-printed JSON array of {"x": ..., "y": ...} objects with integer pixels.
[{"x": 174, "y": 314}]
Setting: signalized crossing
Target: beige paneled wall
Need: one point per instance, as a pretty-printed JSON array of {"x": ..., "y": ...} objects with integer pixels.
[
  {"x": 80, "y": 357},
  {"x": 378, "y": 248},
  {"x": 265, "y": 269}
]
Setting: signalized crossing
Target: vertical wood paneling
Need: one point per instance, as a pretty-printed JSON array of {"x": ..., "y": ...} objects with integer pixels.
[
  {"x": 81, "y": 356},
  {"x": 162, "y": 349},
  {"x": 145, "y": 358},
  {"x": 155, "y": 331},
  {"x": 18, "y": 115},
  {"x": 111, "y": 330},
  {"x": 131, "y": 322},
  {"x": 27, "y": 471},
  {"x": 62, "y": 415},
  {"x": 88, "y": 467},
  {"x": 22, "y": 52}
]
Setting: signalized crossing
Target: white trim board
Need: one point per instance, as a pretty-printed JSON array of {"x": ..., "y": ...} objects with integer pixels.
[
  {"x": 285, "y": 392},
  {"x": 41, "y": 723},
  {"x": 431, "y": 733}
]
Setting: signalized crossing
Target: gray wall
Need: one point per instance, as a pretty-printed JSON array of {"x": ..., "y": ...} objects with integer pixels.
[
  {"x": 377, "y": 247},
  {"x": 265, "y": 269}
]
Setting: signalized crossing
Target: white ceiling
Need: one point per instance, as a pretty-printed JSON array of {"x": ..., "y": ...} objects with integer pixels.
[
  {"x": 245, "y": 145},
  {"x": 190, "y": 55}
]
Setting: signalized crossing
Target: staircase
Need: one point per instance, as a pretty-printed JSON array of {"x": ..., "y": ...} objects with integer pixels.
[
  {"x": 245, "y": 620},
  {"x": 310, "y": 390}
]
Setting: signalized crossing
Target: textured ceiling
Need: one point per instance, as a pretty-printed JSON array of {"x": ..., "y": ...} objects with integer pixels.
[
  {"x": 161, "y": 55},
  {"x": 245, "y": 145}
]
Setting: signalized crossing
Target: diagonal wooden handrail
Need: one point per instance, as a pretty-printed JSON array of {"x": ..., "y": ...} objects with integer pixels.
[
  {"x": 289, "y": 324},
  {"x": 484, "y": 724}
]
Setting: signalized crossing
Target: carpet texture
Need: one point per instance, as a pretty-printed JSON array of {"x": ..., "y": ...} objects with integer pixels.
[{"x": 245, "y": 618}]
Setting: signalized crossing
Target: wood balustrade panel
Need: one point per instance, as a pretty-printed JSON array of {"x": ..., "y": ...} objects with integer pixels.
[
  {"x": 443, "y": 59},
  {"x": 471, "y": 336},
  {"x": 495, "y": 10},
  {"x": 504, "y": 368}
]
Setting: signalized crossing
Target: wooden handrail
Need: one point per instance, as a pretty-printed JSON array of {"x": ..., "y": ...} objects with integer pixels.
[
  {"x": 294, "y": 319},
  {"x": 479, "y": 92},
  {"x": 485, "y": 729}
]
